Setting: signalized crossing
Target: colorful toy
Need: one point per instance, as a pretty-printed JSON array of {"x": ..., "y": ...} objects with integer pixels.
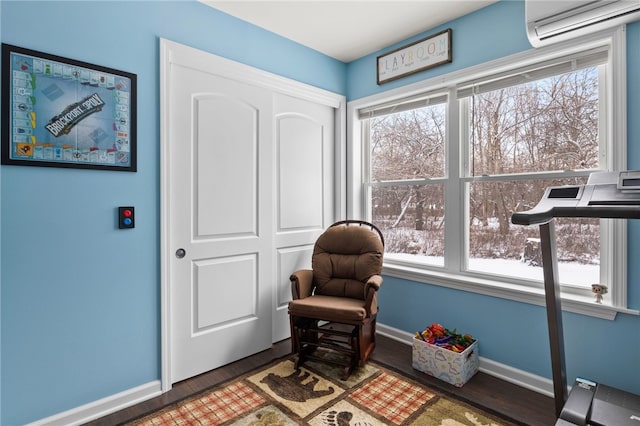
[{"x": 436, "y": 334}]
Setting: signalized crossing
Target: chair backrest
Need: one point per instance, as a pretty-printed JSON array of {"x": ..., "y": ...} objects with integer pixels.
[{"x": 345, "y": 256}]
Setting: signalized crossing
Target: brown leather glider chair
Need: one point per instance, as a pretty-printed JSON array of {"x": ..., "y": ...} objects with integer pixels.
[{"x": 335, "y": 303}]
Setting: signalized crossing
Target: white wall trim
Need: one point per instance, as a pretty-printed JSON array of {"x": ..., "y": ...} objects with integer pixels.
[
  {"x": 505, "y": 290},
  {"x": 504, "y": 372},
  {"x": 247, "y": 74},
  {"x": 102, "y": 407}
]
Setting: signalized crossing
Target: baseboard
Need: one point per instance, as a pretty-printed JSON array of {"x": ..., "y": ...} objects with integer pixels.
[
  {"x": 502, "y": 371},
  {"x": 102, "y": 407},
  {"x": 111, "y": 404}
]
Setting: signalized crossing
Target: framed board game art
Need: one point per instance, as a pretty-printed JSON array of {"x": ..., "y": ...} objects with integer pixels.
[{"x": 60, "y": 112}]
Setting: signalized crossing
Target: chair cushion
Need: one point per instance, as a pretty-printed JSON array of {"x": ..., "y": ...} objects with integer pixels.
[
  {"x": 344, "y": 257},
  {"x": 329, "y": 308}
]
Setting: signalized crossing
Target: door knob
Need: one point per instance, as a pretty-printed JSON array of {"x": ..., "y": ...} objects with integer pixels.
[{"x": 180, "y": 253}]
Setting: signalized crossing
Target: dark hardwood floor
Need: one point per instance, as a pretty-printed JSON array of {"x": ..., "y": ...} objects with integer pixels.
[{"x": 520, "y": 405}]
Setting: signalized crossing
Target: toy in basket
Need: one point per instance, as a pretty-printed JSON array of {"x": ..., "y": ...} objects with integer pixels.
[{"x": 445, "y": 354}]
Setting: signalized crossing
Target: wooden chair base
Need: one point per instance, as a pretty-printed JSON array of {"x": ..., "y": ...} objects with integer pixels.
[{"x": 344, "y": 340}]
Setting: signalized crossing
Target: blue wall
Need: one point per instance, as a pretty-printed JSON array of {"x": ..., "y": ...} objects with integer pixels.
[
  {"x": 80, "y": 316},
  {"x": 489, "y": 33},
  {"x": 80, "y": 311},
  {"x": 510, "y": 332}
]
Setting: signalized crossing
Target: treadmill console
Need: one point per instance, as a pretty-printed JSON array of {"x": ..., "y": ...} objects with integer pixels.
[
  {"x": 629, "y": 180},
  {"x": 606, "y": 195}
]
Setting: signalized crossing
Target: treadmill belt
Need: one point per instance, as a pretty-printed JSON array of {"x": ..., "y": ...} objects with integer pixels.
[{"x": 613, "y": 406}]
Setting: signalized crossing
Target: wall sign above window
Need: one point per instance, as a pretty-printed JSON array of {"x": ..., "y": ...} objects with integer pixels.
[
  {"x": 415, "y": 57},
  {"x": 65, "y": 113}
]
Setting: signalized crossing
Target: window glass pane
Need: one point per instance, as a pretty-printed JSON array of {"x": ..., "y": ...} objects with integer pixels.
[
  {"x": 411, "y": 219},
  {"x": 498, "y": 246},
  {"x": 408, "y": 145},
  {"x": 547, "y": 125}
]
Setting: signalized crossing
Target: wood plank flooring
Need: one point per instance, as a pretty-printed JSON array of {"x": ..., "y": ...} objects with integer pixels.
[{"x": 521, "y": 405}]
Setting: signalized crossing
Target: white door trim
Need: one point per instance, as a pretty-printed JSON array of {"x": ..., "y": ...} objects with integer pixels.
[{"x": 245, "y": 74}]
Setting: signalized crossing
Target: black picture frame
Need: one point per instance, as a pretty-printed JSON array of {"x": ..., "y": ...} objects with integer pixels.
[{"x": 61, "y": 112}]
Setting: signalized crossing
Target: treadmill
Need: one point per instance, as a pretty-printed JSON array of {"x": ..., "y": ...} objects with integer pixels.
[{"x": 606, "y": 195}]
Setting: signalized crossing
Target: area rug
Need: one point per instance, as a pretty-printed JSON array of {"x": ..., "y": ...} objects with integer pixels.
[{"x": 314, "y": 395}]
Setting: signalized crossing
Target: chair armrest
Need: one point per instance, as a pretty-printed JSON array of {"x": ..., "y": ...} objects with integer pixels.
[
  {"x": 374, "y": 281},
  {"x": 371, "y": 294},
  {"x": 301, "y": 283}
]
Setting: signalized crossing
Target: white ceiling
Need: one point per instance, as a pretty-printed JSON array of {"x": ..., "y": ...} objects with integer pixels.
[{"x": 345, "y": 29}]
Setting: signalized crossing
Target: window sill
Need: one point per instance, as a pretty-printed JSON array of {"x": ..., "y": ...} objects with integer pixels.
[{"x": 509, "y": 291}]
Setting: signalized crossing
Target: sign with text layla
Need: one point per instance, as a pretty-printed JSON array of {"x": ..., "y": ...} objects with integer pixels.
[
  {"x": 419, "y": 56},
  {"x": 65, "y": 113}
]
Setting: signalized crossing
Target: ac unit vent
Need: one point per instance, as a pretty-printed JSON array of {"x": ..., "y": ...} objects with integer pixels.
[{"x": 552, "y": 21}]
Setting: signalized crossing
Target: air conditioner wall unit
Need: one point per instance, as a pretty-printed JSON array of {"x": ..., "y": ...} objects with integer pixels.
[{"x": 551, "y": 21}]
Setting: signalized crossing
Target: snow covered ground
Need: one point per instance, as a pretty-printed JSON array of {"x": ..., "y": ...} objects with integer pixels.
[{"x": 571, "y": 273}]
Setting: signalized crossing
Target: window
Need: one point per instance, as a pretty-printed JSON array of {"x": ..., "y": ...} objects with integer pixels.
[
  {"x": 533, "y": 131},
  {"x": 445, "y": 168},
  {"x": 407, "y": 151}
]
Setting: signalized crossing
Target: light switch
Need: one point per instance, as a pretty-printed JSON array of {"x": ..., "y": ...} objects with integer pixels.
[{"x": 126, "y": 218}]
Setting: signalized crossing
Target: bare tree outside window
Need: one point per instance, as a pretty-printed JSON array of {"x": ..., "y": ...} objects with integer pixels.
[
  {"x": 407, "y": 151},
  {"x": 543, "y": 126},
  {"x": 516, "y": 135}
]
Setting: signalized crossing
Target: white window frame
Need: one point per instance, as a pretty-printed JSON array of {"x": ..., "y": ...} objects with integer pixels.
[{"x": 613, "y": 234}]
